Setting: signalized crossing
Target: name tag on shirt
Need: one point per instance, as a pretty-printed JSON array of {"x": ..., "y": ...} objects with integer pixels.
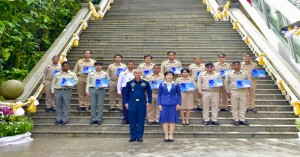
[
  {"x": 175, "y": 70},
  {"x": 101, "y": 83},
  {"x": 88, "y": 69},
  {"x": 156, "y": 83},
  {"x": 198, "y": 73},
  {"x": 67, "y": 82},
  {"x": 258, "y": 73},
  {"x": 215, "y": 83},
  {"x": 55, "y": 72},
  {"x": 185, "y": 87},
  {"x": 243, "y": 84},
  {"x": 148, "y": 72},
  {"x": 224, "y": 73},
  {"x": 119, "y": 70}
]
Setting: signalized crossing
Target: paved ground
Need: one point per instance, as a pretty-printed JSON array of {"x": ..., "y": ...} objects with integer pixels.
[{"x": 88, "y": 147}]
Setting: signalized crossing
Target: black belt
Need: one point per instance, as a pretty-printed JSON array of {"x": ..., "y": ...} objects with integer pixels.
[{"x": 63, "y": 88}]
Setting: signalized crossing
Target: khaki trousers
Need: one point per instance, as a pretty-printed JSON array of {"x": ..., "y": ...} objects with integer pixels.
[
  {"x": 113, "y": 94},
  {"x": 238, "y": 104},
  {"x": 197, "y": 99},
  {"x": 223, "y": 98},
  {"x": 210, "y": 99},
  {"x": 84, "y": 101},
  {"x": 251, "y": 95},
  {"x": 50, "y": 101},
  {"x": 153, "y": 112}
]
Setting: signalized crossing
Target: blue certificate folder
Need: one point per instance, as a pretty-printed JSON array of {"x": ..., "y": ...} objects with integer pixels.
[
  {"x": 67, "y": 82},
  {"x": 198, "y": 73},
  {"x": 119, "y": 70},
  {"x": 187, "y": 86},
  {"x": 148, "y": 72},
  {"x": 215, "y": 83},
  {"x": 258, "y": 73},
  {"x": 175, "y": 70},
  {"x": 55, "y": 72},
  {"x": 155, "y": 83},
  {"x": 243, "y": 84},
  {"x": 101, "y": 83},
  {"x": 88, "y": 69},
  {"x": 224, "y": 72}
]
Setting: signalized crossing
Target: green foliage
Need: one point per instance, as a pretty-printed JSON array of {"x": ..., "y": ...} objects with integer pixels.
[
  {"x": 27, "y": 30},
  {"x": 18, "y": 125},
  {"x": 297, "y": 122}
]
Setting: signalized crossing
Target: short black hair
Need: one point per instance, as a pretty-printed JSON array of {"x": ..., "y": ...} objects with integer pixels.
[
  {"x": 236, "y": 62},
  {"x": 185, "y": 69},
  {"x": 247, "y": 54},
  {"x": 55, "y": 56},
  {"x": 156, "y": 65},
  {"x": 118, "y": 55},
  {"x": 221, "y": 54},
  {"x": 209, "y": 64},
  {"x": 197, "y": 57},
  {"x": 171, "y": 52},
  {"x": 98, "y": 63},
  {"x": 87, "y": 51},
  {"x": 130, "y": 62},
  {"x": 147, "y": 56},
  {"x": 66, "y": 62},
  {"x": 168, "y": 72}
]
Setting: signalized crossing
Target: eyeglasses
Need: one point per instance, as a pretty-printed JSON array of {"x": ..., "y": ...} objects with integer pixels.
[
  {"x": 209, "y": 67},
  {"x": 221, "y": 57}
]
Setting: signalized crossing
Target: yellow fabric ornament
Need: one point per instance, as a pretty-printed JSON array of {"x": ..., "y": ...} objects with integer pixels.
[
  {"x": 235, "y": 24},
  {"x": 281, "y": 87},
  {"x": 261, "y": 60},
  {"x": 290, "y": 28},
  {"x": 247, "y": 40},
  {"x": 108, "y": 8},
  {"x": 227, "y": 5},
  {"x": 84, "y": 25},
  {"x": 62, "y": 59},
  {"x": 217, "y": 15},
  {"x": 208, "y": 8},
  {"x": 297, "y": 33},
  {"x": 31, "y": 107},
  {"x": 17, "y": 106},
  {"x": 224, "y": 13},
  {"x": 76, "y": 40},
  {"x": 204, "y": 1},
  {"x": 112, "y": 1},
  {"x": 296, "y": 105}
]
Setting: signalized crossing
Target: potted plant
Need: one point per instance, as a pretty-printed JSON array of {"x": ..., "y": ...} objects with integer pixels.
[{"x": 297, "y": 122}]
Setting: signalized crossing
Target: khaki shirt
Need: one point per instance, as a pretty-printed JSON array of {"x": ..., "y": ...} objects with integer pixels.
[
  {"x": 203, "y": 80},
  {"x": 58, "y": 78},
  {"x": 93, "y": 76},
  {"x": 167, "y": 64},
  {"x": 194, "y": 68},
  {"x": 232, "y": 77},
  {"x": 49, "y": 71},
  {"x": 249, "y": 68},
  {"x": 218, "y": 66},
  {"x": 81, "y": 63},
  {"x": 152, "y": 77},
  {"x": 180, "y": 80},
  {"x": 112, "y": 69},
  {"x": 144, "y": 66}
]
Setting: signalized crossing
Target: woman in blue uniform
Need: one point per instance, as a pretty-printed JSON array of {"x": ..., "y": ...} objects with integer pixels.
[{"x": 169, "y": 101}]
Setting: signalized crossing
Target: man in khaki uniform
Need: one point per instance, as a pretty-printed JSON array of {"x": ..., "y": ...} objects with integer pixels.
[
  {"x": 170, "y": 62},
  {"x": 195, "y": 68},
  {"x": 147, "y": 65},
  {"x": 153, "y": 111},
  {"x": 248, "y": 66},
  {"x": 222, "y": 65},
  {"x": 84, "y": 101},
  {"x": 112, "y": 71},
  {"x": 210, "y": 96},
  {"x": 238, "y": 96},
  {"x": 49, "y": 73}
]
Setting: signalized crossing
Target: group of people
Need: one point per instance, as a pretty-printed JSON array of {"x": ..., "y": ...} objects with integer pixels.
[{"x": 161, "y": 93}]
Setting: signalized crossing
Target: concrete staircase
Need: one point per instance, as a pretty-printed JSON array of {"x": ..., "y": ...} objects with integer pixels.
[{"x": 134, "y": 28}]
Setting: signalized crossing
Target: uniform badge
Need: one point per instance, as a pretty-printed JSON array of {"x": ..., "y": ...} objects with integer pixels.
[
  {"x": 143, "y": 84},
  {"x": 132, "y": 84}
]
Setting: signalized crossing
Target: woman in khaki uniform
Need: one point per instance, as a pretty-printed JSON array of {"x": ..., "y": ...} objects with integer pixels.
[{"x": 187, "y": 97}]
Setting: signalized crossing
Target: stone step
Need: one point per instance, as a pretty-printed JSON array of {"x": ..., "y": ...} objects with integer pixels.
[
  {"x": 261, "y": 114},
  {"x": 159, "y": 134},
  {"x": 193, "y": 121},
  {"x": 179, "y": 128}
]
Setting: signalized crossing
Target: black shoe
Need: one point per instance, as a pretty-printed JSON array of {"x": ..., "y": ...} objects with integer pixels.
[
  {"x": 92, "y": 122},
  {"x": 247, "y": 110},
  {"x": 118, "y": 109},
  {"x": 52, "y": 109},
  {"x": 111, "y": 109},
  {"x": 140, "y": 140},
  {"x": 151, "y": 123},
  {"x": 132, "y": 139},
  {"x": 253, "y": 110},
  {"x": 224, "y": 110},
  {"x": 198, "y": 109},
  {"x": 243, "y": 123},
  {"x": 63, "y": 123},
  {"x": 99, "y": 122},
  {"x": 171, "y": 140},
  {"x": 79, "y": 108},
  {"x": 85, "y": 108},
  {"x": 58, "y": 123},
  {"x": 214, "y": 123},
  {"x": 48, "y": 109},
  {"x": 205, "y": 122},
  {"x": 124, "y": 122},
  {"x": 236, "y": 123}
]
